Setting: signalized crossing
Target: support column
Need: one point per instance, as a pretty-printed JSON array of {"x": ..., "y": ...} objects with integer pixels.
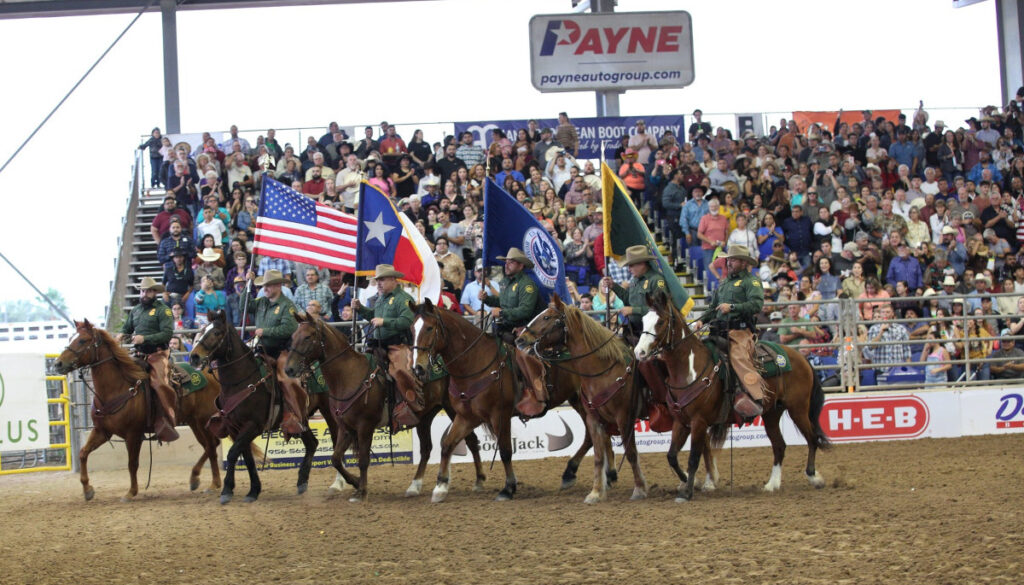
[
  {"x": 1009, "y": 30},
  {"x": 172, "y": 113},
  {"x": 608, "y": 100}
]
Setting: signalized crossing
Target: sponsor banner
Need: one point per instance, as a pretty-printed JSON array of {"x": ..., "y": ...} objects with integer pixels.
[
  {"x": 282, "y": 455},
  {"x": 995, "y": 411},
  {"x": 592, "y": 131},
  {"x": 611, "y": 51},
  {"x": 24, "y": 419},
  {"x": 559, "y": 433}
]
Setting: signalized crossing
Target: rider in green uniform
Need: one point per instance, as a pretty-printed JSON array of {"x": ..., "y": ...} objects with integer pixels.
[
  {"x": 646, "y": 280},
  {"x": 732, "y": 313},
  {"x": 519, "y": 300},
  {"x": 390, "y": 316},
  {"x": 275, "y": 323},
  {"x": 150, "y": 326}
]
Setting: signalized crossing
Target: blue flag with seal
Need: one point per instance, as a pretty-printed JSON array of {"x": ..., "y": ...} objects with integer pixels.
[{"x": 508, "y": 224}]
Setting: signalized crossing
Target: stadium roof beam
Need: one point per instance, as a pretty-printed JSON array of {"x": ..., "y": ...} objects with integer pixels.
[{"x": 10, "y": 9}]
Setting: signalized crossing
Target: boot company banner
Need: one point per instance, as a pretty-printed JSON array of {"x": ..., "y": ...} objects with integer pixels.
[
  {"x": 592, "y": 131},
  {"x": 24, "y": 422}
]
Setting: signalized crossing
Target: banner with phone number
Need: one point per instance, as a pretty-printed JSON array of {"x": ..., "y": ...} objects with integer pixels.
[{"x": 592, "y": 131}]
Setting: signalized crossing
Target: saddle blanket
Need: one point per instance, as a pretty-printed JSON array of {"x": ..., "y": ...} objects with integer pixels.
[
  {"x": 191, "y": 379},
  {"x": 769, "y": 357}
]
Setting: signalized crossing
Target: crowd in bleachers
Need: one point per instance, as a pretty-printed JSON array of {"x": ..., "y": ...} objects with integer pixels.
[{"x": 870, "y": 210}]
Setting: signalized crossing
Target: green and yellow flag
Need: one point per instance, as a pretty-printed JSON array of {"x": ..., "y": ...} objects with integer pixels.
[{"x": 625, "y": 227}]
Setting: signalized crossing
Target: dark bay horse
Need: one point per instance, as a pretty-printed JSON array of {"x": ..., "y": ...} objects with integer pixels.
[
  {"x": 424, "y": 400},
  {"x": 250, "y": 402},
  {"x": 695, "y": 396},
  {"x": 482, "y": 387},
  {"x": 356, "y": 388},
  {"x": 610, "y": 389},
  {"x": 119, "y": 406}
]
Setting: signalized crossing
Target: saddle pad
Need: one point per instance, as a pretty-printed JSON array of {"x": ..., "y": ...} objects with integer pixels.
[
  {"x": 196, "y": 380},
  {"x": 772, "y": 358},
  {"x": 716, "y": 355},
  {"x": 437, "y": 369},
  {"x": 315, "y": 382}
]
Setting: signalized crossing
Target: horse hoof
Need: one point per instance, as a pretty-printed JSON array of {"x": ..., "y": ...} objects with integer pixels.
[
  {"x": 612, "y": 476},
  {"x": 816, "y": 480},
  {"x": 125, "y": 499},
  {"x": 593, "y": 498},
  {"x": 414, "y": 488},
  {"x": 503, "y": 497},
  {"x": 638, "y": 495},
  {"x": 89, "y": 493},
  {"x": 249, "y": 499},
  {"x": 709, "y": 485},
  {"x": 439, "y": 495},
  {"x": 568, "y": 483},
  {"x": 682, "y": 499},
  {"x": 478, "y": 486},
  {"x": 193, "y": 484},
  {"x": 356, "y": 499},
  {"x": 302, "y": 488},
  {"x": 225, "y": 498}
]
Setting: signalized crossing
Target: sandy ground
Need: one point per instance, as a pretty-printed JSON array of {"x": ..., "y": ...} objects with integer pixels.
[{"x": 926, "y": 511}]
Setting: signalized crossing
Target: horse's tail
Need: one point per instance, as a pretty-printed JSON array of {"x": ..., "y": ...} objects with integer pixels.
[
  {"x": 257, "y": 453},
  {"x": 717, "y": 433},
  {"x": 814, "y": 412}
]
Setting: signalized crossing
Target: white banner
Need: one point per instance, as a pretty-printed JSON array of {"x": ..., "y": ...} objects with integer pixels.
[
  {"x": 611, "y": 51},
  {"x": 24, "y": 422},
  {"x": 876, "y": 416}
]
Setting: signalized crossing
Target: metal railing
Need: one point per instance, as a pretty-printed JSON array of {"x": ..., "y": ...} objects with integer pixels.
[{"x": 57, "y": 456}]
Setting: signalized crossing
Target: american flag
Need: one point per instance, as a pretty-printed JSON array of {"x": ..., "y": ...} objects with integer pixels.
[{"x": 292, "y": 226}]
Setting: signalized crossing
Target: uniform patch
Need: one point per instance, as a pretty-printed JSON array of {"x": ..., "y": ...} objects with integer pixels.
[
  {"x": 292, "y": 310},
  {"x": 167, "y": 312},
  {"x": 661, "y": 284},
  {"x": 646, "y": 282},
  {"x": 514, "y": 287},
  {"x": 195, "y": 378},
  {"x": 391, "y": 301},
  {"x": 737, "y": 283},
  {"x": 152, "y": 312},
  {"x": 277, "y": 310},
  {"x": 529, "y": 288},
  {"x": 780, "y": 360}
]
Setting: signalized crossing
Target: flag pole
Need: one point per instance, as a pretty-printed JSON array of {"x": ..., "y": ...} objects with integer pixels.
[
  {"x": 607, "y": 259},
  {"x": 252, "y": 258},
  {"x": 359, "y": 262}
]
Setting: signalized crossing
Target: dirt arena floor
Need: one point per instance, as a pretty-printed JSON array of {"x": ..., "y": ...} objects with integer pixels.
[{"x": 927, "y": 511}]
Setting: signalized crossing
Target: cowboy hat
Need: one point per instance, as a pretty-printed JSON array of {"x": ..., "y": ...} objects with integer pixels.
[
  {"x": 741, "y": 252},
  {"x": 948, "y": 281},
  {"x": 150, "y": 283},
  {"x": 271, "y": 277},
  {"x": 637, "y": 254},
  {"x": 387, "y": 271},
  {"x": 431, "y": 181},
  {"x": 517, "y": 255},
  {"x": 209, "y": 255},
  {"x": 947, "y": 231}
]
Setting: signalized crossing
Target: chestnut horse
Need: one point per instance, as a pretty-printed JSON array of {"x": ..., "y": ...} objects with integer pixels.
[
  {"x": 695, "y": 396},
  {"x": 424, "y": 400},
  {"x": 483, "y": 387},
  {"x": 610, "y": 389},
  {"x": 250, "y": 403},
  {"x": 119, "y": 405}
]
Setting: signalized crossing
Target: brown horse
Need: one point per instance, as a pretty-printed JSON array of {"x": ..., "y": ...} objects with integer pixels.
[
  {"x": 610, "y": 387},
  {"x": 483, "y": 387},
  {"x": 119, "y": 404},
  {"x": 424, "y": 400},
  {"x": 250, "y": 402},
  {"x": 696, "y": 398}
]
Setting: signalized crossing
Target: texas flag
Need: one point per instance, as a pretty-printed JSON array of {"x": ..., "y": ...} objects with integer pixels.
[{"x": 387, "y": 236}]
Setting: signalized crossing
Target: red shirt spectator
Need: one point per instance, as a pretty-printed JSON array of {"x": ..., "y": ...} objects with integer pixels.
[{"x": 162, "y": 222}]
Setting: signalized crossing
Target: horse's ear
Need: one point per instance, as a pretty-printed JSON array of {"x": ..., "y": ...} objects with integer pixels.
[
  {"x": 86, "y": 324},
  {"x": 216, "y": 315},
  {"x": 413, "y": 306},
  {"x": 302, "y": 317},
  {"x": 656, "y": 300},
  {"x": 556, "y": 301},
  {"x": 428, "y": 305}
]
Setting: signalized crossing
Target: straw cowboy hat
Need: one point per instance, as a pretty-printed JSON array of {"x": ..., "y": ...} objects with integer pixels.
[
  {"x": 517, "y": 255},
  {"x": 209, "y": 255},
  {"x": 271, "y": 277},
  {"x": 949, "y": 281},
  {"x": 637, "y": 254},
  {"x": 741, "y": 252},
  {"x": 150, "y": 283},
  {"x": 386, "y": 271}
]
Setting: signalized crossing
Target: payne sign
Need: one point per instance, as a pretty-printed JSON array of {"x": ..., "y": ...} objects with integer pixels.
[{"x": 612, "y": 51}]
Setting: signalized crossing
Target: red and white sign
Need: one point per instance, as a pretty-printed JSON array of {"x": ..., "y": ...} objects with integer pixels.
[
  {"x": 621, "y": 50},
  {"x": 878, "y": 417}
]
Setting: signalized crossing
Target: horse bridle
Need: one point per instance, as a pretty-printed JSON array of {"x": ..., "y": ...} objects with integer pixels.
[
  {"x": 672, "y": 343},
  {"x": 204, "y": 362},
  {"x": 305, "y": 355},
  {"x": 432, "y": 356},
  {"x": 95, "y": 347},
  {"x": 560, "y": 322}
]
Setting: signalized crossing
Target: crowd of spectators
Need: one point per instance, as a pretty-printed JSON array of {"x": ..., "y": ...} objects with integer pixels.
[{"x": 871, "y": 210}]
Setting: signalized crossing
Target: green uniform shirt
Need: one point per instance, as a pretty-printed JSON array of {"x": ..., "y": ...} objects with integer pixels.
[
  {"x": 394, "y": 309},
  {"x": 154, "y": 323},
  {"x": 743, "y": 292},
  {"x": 276, "y": 319},
  {"x": 518, "y": 300},
  {"x": 639, "y": 288}
]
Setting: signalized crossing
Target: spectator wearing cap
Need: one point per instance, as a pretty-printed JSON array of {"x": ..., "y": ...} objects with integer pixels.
[
  {"x": 450, "y": 163},
  {"x": 642, "y": 142},
  {"x": 566, "y": 136},
  {"x": 689, "y": 220},
  {"x": 470, "y": 300},
  {"x": 634, "y": 176},
  {"x": 546, "y": 142},
  {"x": 1011, "y": 364},
  {"x": 982, "y": 286},
  {"x": 771, "y": 333},
  {"x": 956, "y": 252},
  {"x": 161, "y": 225},
  {"x": 977, "y": 171},
  {"x": 367, "y": 144},
  {"x": 905, "y": 268},
  {"x": 452, "y": 267},
  {"x": 903, "y": 151},
  {"x": 935, "y": 272},
  {"x": 178, "y": 279},
  {"x": 799, "y": 237},
  {"x": 721, "y": 175}
]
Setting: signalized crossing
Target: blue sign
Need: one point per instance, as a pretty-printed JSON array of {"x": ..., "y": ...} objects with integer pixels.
[{"x": 592, "y": 131}]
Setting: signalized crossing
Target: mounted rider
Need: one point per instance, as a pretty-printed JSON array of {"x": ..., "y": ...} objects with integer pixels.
[
  {"x": 646, "y": 280},
  {"x": 150, "y": 325},
  {"x": 517, "y": 304},
  {"x": 732, "y": 314},
  {"x": 390, "y": 316},
  {"x": 275, "y": 322}
]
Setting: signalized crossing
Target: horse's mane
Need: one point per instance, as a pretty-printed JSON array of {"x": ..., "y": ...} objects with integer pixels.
[
  {"x": 594, "y": 335},
  {"x": 124, "y": 359}
]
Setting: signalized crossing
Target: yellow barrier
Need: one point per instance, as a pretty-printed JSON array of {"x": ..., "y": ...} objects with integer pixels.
[{"x": 65, "y": 401}]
